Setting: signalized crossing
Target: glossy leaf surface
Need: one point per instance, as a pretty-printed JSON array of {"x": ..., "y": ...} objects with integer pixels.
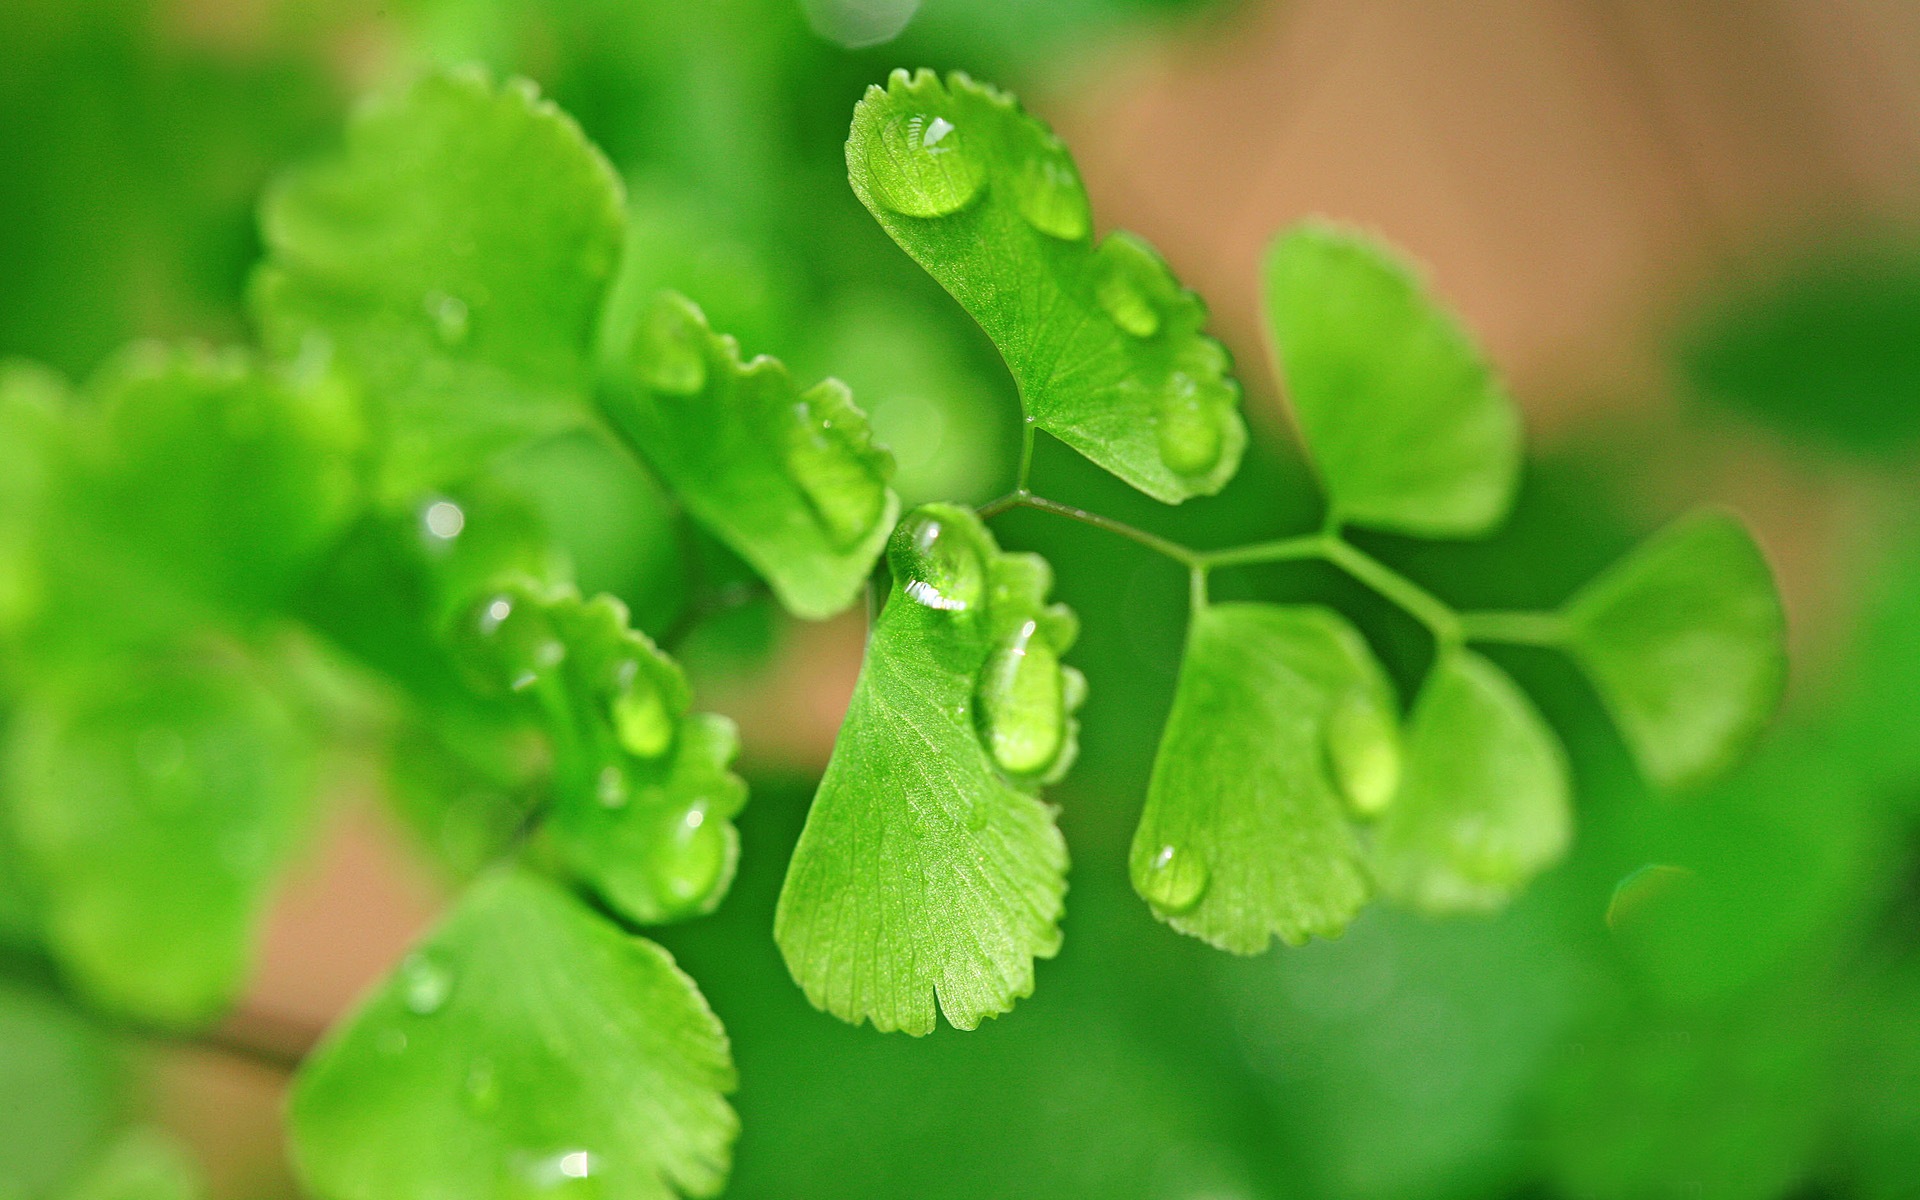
[
  {"x": 455, "y": 256},
  {"x": 788, "y": 478},
  {"x": 1684, "y": 639},
  {"x": 1484, "y": 801},
  {"x": 1400, "y": 412},
  {"x": 1245, "y": 833},
  {"x": 929, "y": 866},
  {"x": 525, "y": 1047},
  {"x": 1105, "y": 344},
  {"x": 158, "y": 804}
]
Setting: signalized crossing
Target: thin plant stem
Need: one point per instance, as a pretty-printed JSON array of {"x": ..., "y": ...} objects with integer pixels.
[
  {"x": 1515, "y": 628},
  {"x": 1422, "y": 605},
  {"x": 1026, "y": 458}
]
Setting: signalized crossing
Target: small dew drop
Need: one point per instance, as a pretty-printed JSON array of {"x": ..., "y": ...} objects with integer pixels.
[
  {"x": 450, "y": 316},
  {"x": 443, "y": 520},
  {"x": 576, "y": 1164},
  {"x": 1174, "y": 880},
  {"x": 693, "y": 861},
  {"x": 494, "y": 614},
  {"x": 1189, "y": 432},
  {"x": 640, "y": 717},
  {"x": 922, "y": 165},
  {"x": 939, "y": 563},
  {"x": 425, "y": 983},
  {"x": 1022, "y": 706},
  {"x": 1129, "y": 273},
  {"x": 1049, "y": 194},
  {"x": 840, "y": 483},
  {"x": 1363, "y": 753}
]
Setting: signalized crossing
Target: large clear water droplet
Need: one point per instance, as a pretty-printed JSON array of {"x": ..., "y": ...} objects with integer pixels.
[
  {"x": 938, "y": 564},
  {"x": 840, "y": 485},
  {"x": 670, "y": 351},
  {"x": 923, "y": 165},
  {"x": 450, "y": 316},
  {"x": 1049, "y": 194},
  {"x": 1189, "y": 432},
  {"x": 694, "y": 859},
  {"x": 1021, "y": 705},
  {"x": 1175, "y": 879},
  {"x": 1363, "y": 753},
  {"x": 640, "y": 717},
  {"x": 425, "y": 982},
  {"x": 1128, "y": 277}
]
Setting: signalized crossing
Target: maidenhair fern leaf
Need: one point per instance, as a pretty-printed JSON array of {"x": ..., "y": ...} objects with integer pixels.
[
  {"x": 1280, "y": 714},
  {"x": 1105, "y": 344},
  {"x": 929, "y": 866},
  {"x": 789, "y": 479}
]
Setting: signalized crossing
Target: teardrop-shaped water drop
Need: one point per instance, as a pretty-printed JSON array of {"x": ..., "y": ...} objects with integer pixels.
[
  {"x": 1363, "y": 753},
  {"x": 426, "y": 982},
  {"x": 641, "y": 719},
  {"x": 1021, "y": 705},
  {"x": 938, "y": 564},
  {"x": 1189, "y": 433},
  {"x": 1049, "y": 194},
  {"x": 691, "y": 865},
  {"x": 1129, "y": 275},
  {"x": 450, "y": 316},
  {"x": 669, "y": 350},
  {"x": 1174, "y": 880},
  {"x": 923, "y": 165},
  {"x": 841, "y": 486}
]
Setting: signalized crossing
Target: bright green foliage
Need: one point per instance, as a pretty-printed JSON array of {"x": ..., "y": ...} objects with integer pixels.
[
  {"x": 642, "y": 798},
  {"x": 32, "y": 401},
  {"x": 1245, "y": 833},
  {"x": 1105, "y": 344},
  {"x": 58, "y": 1089},
  {"x": 526, "y": 1047},
  {"x": 1483, "y": 803},
  {"x": 1684, "y": 642},
  {"x": 176, "y": 437},
  {"x": 144, "y": 1164},
  {"x": 454, "y": 257},
  {"x": 789, "y": 479},
  {"x": 158, "y": 799},
  {"x": 1399, "y": 411},
  {"x": 929, "y": 865}
]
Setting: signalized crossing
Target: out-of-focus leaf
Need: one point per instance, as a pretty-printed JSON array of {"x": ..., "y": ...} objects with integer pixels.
[
  {"x": 1483, "y": 803},
  {"x": 789, "y": 479},
  {"x": 32, "y": 404},
  {"x": 1685, "y": 641},
  {"x": 525, "y": 1047},
  {"x": 1401, "y": 413},
  {"x": 1281, "y": 720},
  {"x": 643, "y": 800},
  {"x": 455, "y": 255},
  {"x": 930, "y": 867},
  {"x": 158, "y": 799},
  {"x": 1103, "y": 341},
  {"x": 59, "y": 1089},
  {"x": 143, "y": 1164}
]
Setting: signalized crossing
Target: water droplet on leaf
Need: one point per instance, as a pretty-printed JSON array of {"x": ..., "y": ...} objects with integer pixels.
[
  {"x": 1175, "y": 879},
  {"x": 922, "y": 165},
  {"x": 938, "y": 564},
  {"x": 1363, "y": 753},
  {"x": 443, "y": 520},
  {"x": 1049, "y": 194},
  {"x": 425, "y": 983},
  {"x": 450, "y": 317},
  {"x": 691, "y": 864},
  {"x": 640, "y": 717},
  {"x": 1128, "y": 274},
  {"x": 840, "y": 485},
  {"x": 1189, "y": 430},
  {"x": 1021, "y": 705}
]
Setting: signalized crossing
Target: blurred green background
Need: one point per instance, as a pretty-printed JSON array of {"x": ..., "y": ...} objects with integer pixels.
[{"x": 1715, "y": 996}]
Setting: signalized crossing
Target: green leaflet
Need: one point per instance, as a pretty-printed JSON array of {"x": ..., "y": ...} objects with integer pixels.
[
  {"x": 455, "y": 255},
  {"x": 1399, "y": 411},
  {"x": 158, "y": 800},
  {"x": 789, "y": 479},
  {"x": 143, "y": 1164},
  {"x": 1483, "y": 804},
  {"x": 1684, "y": 641},
  {"x": 32, "y": 403},
  {"x": 526, "y": 1047},
  {"x": 1103, "y": 341},
  {"x": 643, "y": 801},
  {"x": 1245, "y": 834},
  {"x": 59, "y": 1088},
  {"x": 208, "y": 472},
  {"x": 929, "y": 866}
]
